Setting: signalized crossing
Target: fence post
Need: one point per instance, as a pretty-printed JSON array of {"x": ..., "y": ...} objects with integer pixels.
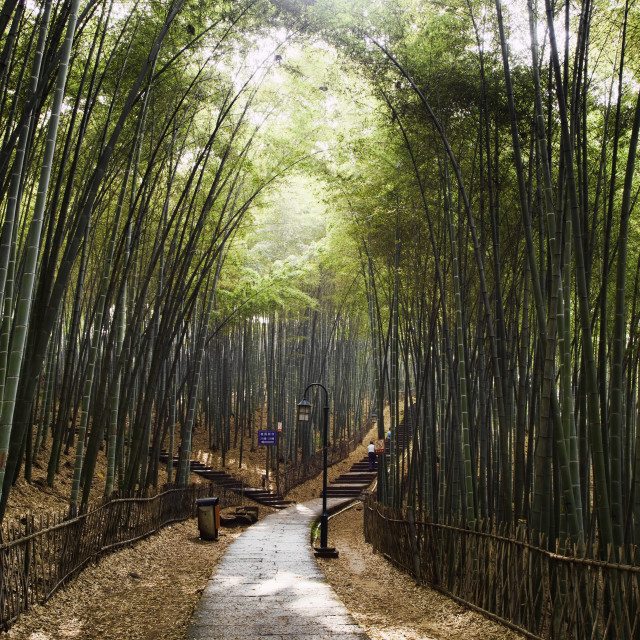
[{"x": 414, "y": 545}]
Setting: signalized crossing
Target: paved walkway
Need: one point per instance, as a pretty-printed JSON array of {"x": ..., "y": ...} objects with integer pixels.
[{"x": 268, "y": 585}]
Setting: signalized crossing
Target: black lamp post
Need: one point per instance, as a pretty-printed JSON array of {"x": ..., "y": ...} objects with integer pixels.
[{"x": 304, "y": 416}]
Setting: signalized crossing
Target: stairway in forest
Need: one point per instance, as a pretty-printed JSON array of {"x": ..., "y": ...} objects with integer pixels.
[
  {"x": 352, "y": 483},
  {"x": 223, "y": 479},
  {"x": 358, "y": 478},
  {"x": 401, "y": 440}
]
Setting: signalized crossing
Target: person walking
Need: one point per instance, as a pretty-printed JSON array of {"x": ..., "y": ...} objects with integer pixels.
[{"x": 372, "y": 456}]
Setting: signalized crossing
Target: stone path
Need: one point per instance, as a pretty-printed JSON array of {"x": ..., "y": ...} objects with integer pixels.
[{"x": 268, "y": 585}]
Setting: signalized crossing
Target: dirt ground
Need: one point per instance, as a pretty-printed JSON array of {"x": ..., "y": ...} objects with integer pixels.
[
  {"x": 148, "y": 591},
  {"x": 386, "y": 602}
]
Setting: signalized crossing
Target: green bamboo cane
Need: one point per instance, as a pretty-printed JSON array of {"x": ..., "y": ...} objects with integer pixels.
[
  {"x": 593, "y": 405},
  {"x": 620, "y": 331},
  {"x": 31, "y": 252},
  {"x": 8, "y": 243}
]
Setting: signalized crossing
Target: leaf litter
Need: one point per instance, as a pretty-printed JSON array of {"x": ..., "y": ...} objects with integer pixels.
[{"x": 150, "y": 590}]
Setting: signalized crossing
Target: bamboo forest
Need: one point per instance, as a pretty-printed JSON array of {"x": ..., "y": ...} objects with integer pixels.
[{"x": 428, "y": 207}]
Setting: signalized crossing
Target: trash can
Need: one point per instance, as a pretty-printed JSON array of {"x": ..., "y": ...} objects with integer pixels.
[{"x": 208, "y": 517}]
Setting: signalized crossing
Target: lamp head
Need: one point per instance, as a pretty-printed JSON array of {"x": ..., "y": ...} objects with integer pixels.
[{"x": 304, "y": 410}]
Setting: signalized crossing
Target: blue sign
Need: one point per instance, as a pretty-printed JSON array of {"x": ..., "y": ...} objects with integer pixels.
[{"x": 268, "y": 438}]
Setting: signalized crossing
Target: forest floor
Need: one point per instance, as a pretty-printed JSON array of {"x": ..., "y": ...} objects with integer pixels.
[{"x": 149, "y": 591}]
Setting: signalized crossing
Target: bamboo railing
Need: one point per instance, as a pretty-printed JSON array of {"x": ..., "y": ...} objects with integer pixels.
[
  {"x": 541, "y": 592},
  {"x": 40, "y": 553}
]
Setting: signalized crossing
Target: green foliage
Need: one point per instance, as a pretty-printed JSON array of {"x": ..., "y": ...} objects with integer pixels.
[{"x": 339, "y": 162}]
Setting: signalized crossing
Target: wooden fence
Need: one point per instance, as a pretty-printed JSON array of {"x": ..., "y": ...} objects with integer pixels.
[
  {"x": 296, "y": 474},
  {"x": 497, "y": 571},
  {"x": 40, "y": 553}
]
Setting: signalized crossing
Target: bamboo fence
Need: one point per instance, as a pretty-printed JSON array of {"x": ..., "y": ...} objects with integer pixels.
[
  {"x": 545, "y": 593},
  {"x": 40, "y": 553}
]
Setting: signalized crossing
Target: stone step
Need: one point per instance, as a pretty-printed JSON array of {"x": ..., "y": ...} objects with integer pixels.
[
  {"x": 359, "y": 476},
  {"x": 352, "y": 486},
  {"x": 258, "y": 494},
  {"x": 274, "y": 502},
  {"x": 266, "y": 498},
  {"x": 212, "y": 473},
  {"x": 360, "y": 481},
  {"x": 223, "y": 479},
  {"x": 335, "y": 492}
]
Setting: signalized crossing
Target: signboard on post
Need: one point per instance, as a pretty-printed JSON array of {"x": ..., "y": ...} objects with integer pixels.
[
  {"x": 268, "y": 438},
  {"x": 378, "y": 446}
]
